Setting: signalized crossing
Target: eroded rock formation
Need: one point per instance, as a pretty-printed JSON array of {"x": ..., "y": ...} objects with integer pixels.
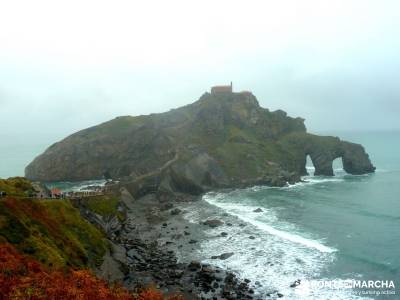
[{"x": 323, "y": 150}]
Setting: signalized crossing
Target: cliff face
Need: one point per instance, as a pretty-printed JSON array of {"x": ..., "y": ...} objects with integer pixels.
[{"x": 223, "y": 139}]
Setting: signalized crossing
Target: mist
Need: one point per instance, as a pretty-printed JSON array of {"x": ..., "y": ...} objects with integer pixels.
[{"x": 67, "y": 66}]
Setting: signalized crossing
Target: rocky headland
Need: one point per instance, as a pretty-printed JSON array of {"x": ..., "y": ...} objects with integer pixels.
[{"x": 222, "y": 140}]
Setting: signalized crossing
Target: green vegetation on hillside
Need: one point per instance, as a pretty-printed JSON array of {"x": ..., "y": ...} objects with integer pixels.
[
  {"x": 51, "y": 231},
  {"x": 16, "y": 186},
  {"x": 104, "y": 205}
]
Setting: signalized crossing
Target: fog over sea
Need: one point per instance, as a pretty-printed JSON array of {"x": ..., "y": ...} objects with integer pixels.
[{"x": 341, "y": 227}]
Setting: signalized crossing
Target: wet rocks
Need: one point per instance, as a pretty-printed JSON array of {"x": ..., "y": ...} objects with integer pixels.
[
  {"x": 295, "y": 283},
  {"x": 207, "y": 273},
  {"x": 275, "y": 294},
  {"x": 166, "y": 206},
  {"x": 133, "y": 254},
  {"x": 235, "y": 289},
  {"x": 175, "y": 211},
  {"x": 213, "y": 223},
  {"x": 218, "y": 284},
  {"x": 147, "y": 249},
  {"x": 148, "y": 263},
  {"x": 258, "y": 210},
  {"x": 194, "y": 266},
  {"x": 223, "y": 256}
]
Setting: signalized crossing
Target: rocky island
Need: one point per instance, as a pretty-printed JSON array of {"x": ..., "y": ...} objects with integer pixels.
[{"x": 224, "y": 139}]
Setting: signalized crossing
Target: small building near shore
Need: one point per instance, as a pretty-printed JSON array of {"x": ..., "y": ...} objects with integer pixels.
[{"x": 56, "y": 193}]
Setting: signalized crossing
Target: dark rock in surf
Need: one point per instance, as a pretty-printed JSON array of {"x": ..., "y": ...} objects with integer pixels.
[
  {"x": 223, "y": 256},
  {"x": 175, "y": 211},
  {"x": 213, "y": 223},
  {"x": 295, "y": 283}
]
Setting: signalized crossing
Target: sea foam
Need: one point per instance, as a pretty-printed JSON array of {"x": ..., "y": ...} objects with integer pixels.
[
  {"x": 246, "y": 217},
  {"x": 275, "y": 257}
]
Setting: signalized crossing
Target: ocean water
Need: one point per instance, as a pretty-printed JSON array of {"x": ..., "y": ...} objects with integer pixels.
[
  {"x": 16, "y": 152},
  {"x": 328, "y": 228},
  {"x": 67, "y": 186}
]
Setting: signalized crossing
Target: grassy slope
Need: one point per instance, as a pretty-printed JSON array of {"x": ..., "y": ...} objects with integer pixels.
[
  {"x": 16, "y": 186},
  {"x": 246, "y": 159},
  {"x": 51, "y": 231},
  {"x": 242, "y": 153},
  {"x": 104, "y": 205}
]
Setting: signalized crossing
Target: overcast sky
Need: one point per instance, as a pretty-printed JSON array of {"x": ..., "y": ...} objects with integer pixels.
[{"x": 67, "y": 65}]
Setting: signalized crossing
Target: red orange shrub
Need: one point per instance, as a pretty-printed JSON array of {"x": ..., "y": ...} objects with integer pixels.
[{"x": 23, "y": 278}]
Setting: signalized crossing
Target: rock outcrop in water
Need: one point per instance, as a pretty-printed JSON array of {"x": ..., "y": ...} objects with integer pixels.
[
  {"x": 221, "y": 140},
  {"x": 323, "y": 150}
]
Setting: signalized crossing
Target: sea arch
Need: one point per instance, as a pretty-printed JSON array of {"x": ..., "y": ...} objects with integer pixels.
[{"x": 324, "y": 150}]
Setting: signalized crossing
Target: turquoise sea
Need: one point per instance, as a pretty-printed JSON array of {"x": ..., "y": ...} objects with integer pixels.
[{"x": 327, "y": 228}]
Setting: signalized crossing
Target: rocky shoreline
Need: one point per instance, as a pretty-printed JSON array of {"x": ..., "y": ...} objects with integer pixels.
[{"x": 155, "y": 245}]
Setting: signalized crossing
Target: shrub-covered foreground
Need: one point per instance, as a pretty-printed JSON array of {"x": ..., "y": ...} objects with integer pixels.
[
  {"x": 47, "y": 248},
  {"x": 22, "y": 277}
]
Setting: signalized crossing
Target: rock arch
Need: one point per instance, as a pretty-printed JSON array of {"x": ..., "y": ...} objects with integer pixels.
[{"x": 324, "y": 150}]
